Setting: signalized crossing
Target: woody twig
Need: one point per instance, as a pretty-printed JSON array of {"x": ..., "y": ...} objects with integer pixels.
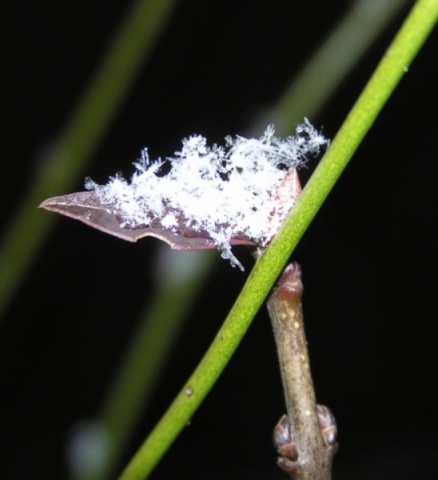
[{"x": 306, "y": 438}]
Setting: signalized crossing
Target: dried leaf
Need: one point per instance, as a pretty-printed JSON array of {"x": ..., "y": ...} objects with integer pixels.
[{"x": 87, "y": 208}]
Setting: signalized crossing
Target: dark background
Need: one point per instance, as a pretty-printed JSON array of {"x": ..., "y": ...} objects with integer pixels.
[{"x": 369, "y": 258}]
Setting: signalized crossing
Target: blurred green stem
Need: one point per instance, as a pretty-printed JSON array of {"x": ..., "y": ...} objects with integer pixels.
[
  {"x": 331, "y": 63},
  {"x": 395, "y": 63},
  {"x": 76, "y": 144},
  {"x": 184, "y": 274}
]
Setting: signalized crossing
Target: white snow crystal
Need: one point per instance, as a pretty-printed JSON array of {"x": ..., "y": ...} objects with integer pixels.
[{"x": 220, "y": 192}]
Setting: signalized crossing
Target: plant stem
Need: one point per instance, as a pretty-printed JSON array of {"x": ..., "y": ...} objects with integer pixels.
[
  {"x": 346, "y": 44},
  {"x": 304, "y": 452},
  {"x": 408, "y": 42},
  {"x": 69, "y": 154},
  {"x": 154, "y": 338}
]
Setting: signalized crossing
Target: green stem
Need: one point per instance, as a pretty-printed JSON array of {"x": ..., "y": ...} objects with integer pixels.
[
  {"x": 338, "y": 54},
  {"x": 397, "y": 59},
  {"x": 133, "y": 386},
  {"x": 159, "y": 327},
  {"x": 75, "y": 146}
]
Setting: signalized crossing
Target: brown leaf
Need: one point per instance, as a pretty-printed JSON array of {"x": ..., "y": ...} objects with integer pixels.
[{"x": 87, "y": 207}]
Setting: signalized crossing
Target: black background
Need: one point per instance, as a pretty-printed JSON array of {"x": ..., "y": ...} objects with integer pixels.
[{"x": 369, "y": 259}]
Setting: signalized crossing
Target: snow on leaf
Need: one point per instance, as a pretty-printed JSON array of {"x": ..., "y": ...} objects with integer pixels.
[{"x": 212, "y": 197}]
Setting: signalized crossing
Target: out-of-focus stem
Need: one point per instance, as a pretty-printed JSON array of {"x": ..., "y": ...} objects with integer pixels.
[
  {"x": 349, "y": 40},
  {"x": 90, "y": 120},
  {"x": 306, "y": 453}
]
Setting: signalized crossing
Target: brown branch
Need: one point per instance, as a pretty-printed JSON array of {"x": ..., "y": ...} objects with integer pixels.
[{"x": 306, "y": 437}]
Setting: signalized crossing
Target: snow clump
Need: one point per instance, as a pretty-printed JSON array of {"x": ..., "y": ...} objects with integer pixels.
[{"x": 220, "y": 193}]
